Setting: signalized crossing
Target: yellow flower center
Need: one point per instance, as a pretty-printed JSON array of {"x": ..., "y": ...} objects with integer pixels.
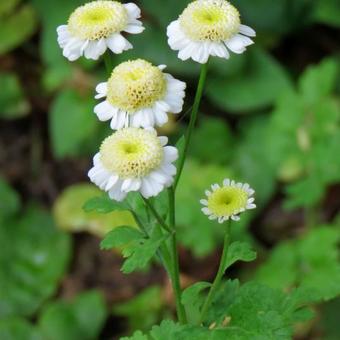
[
  {"x": 131, "y": 152},
  {"x": 227, "y": 201},
  {"x": 134, "y": 85},
  {"x": 98, "y": 19},
  {"x": 210, "y": 20}
]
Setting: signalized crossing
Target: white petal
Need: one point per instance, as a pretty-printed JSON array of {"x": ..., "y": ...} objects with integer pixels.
[
  {"x": 133, "y": 10},
  {"x": 131, "y": 185},
  {"x": 246, "y": 30},
  {"x": 101, "y": 89},
  {"x": 206, "y": 211},
  {"x": 104, "y": 111},
  {"x": 235, "y": 44},
  {"x": 170, "y": 153},
  {"x": 163, "y": 140},
  {"x": 204, "y": 202},
  {"x": 134, "y": 28},
  {"x": 117, "y": 43}
]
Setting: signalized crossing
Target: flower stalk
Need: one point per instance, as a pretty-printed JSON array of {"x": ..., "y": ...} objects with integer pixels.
[
  {"x": 193, "y": 119},
  {"x": 218, "y": 278}
]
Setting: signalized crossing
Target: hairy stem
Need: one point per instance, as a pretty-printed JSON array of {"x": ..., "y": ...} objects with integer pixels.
[
  {"x": 217, "y": 281},
  {"x": 193, "y": 118}
]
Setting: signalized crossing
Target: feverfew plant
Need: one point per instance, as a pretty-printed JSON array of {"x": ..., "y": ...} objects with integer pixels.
[{"x": 134, "y": 166}]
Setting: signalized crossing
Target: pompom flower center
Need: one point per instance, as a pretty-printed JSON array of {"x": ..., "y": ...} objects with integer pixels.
[
  {"x": 131, "y": 153},
  {"x": 98, "y": 19},
  {"x": 227, "y": 201},
  {"x": 210, "y": 20},
  {"x": 134, "y": 85}
]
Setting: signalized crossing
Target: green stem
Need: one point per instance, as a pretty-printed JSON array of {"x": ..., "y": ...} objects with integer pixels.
[
  {"x": 175, "y": 263},
  {"x": 217, "y": 281},
  {"x": 193, "y": 118},
  {"x": 157, "y": 216}
]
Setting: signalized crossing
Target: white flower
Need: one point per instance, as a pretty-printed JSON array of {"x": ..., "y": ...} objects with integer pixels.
[
  {"x": 96, "y": 26},
  {"x": 209, "y": 27},
  {"x": 133, "y": 159},
  {"x": 228, "y": 201},
  {"x": 139, "y": 94}
]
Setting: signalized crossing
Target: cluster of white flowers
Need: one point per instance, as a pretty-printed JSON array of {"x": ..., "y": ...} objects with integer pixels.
[{"x": 138, "y": 96}]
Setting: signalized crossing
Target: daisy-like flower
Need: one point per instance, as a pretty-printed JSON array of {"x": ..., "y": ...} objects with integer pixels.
[
  {"x": 228, "y": 201},
  {"x": 133, "y": 159},
  {"x": 139, "y": 94},
  {"x": 209, "y": 27},
  {"x": 96, "y": 26}
]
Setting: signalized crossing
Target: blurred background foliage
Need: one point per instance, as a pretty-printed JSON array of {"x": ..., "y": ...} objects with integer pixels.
[{"x": 270, "y": 117}]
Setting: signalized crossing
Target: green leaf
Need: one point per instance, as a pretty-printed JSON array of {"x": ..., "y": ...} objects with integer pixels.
[
  {"x": 104, "y": 205},
  {"x": 68, "y": 113},
  {"x": 140, "y": 251},
  {"x": 279, "y": 271},
  {"x": 12, "y": 100},
  {"x": 192, "y": 300},
  {"x": 263, "y": 79},
  {"x": 16, "y": 328},
  {"x": 319, "y": 81},
  {"x": 69, "y": 214},
  {"x": 308, "y": 262},
  {"x": 144, "y": 310},
  {"x": 121, "y": 236},
  {"x": 138, "y": 335},
  {"x": 9, "y": 200},
  {"x": 239, "y": 251},
  {"x": 11, "y": 33},
  {"x": 30, "y": 271},
  {"x": 82, "y": 318},
  {"x": 327, "y": 11}
]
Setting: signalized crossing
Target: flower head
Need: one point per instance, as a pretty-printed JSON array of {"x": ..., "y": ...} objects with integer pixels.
[
  {"x": 228, "y": 201},
  {"x": 133, "y": 159},
  {"x": 96, "y": 26},
  {"x": 209, "y": 27},
  {"x": 139, "y": 94}
]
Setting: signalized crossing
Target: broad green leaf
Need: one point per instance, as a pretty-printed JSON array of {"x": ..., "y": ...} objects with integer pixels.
[
  {"x": 239, "y": 251},
  {"x": 263, "y": 79},
  {"x": 121, "y": 236},
  {"x": 12, "y": 33},
  {"x": 30, "y": 271},
  {"x": 319, "y": 81},
  {"x": 144, "y": 310},
  {"x": 139, "y": 252},
  {"x": 192, "y": 300},
  {"x": 308, "y": 262},
  {"x": 280, "y": 269},
  {"x": 104, "y": 205},
  {"x": 138, "y": 335},
  {"x": 254, "y": 312},
  {"x": 12, "y": 101},
  {"x": 72, "y": 124},
  {"x": 9, "y": 200},
  {"x": 16, "y": 328},
  {"x": 327, "y": 11},
  {"x": 82, "y": 318},
  {"x": 70, "y": 216}
]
